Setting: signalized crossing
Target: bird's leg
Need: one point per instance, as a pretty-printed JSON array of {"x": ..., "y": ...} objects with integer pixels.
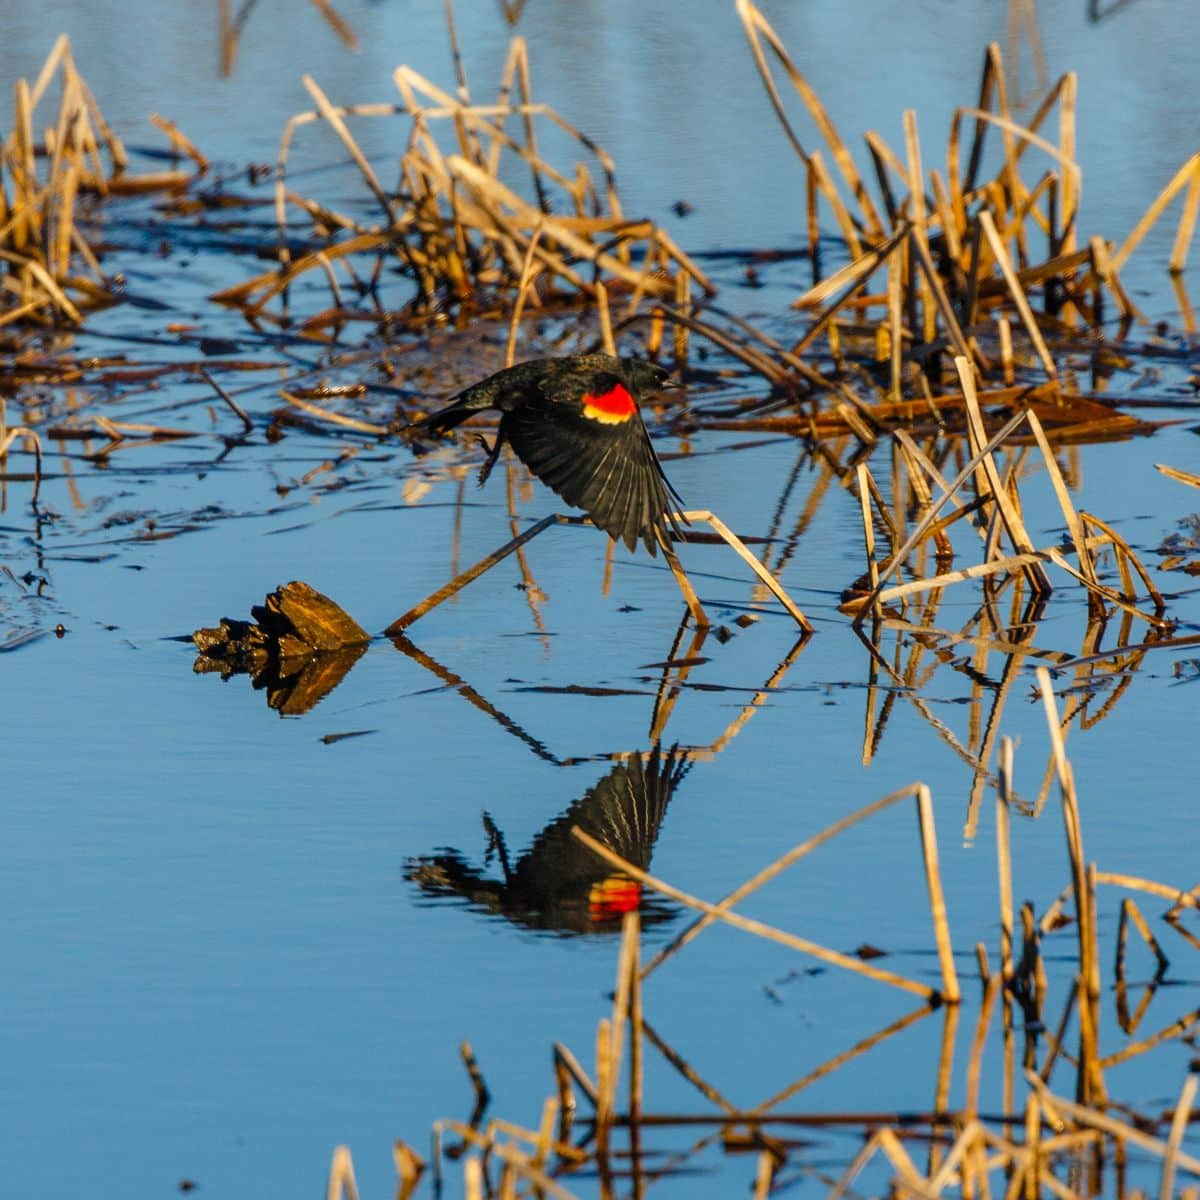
[
  {"x": 497, "y": 845},
  {"x": 493, "y": 453}
]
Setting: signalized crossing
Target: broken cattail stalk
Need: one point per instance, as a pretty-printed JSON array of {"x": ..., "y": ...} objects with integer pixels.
[
  {"x": 831, "y": 957},
  {"x": 868, "y": 532},
  {"x": 1074, "y": 525},
  {"x": 1005, "y": 508},
  {"x": 1017, "y": 292},
  {"x": 770, "y": 872},
  {"x": 1183, "y": 177},
  {"x": 510, "y": 349},
  {"x": 937, "y": 901},
  {"x": 342, "y": 1184}
]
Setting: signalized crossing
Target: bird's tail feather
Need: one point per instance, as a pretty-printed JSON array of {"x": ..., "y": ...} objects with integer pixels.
[
  {"x": 447, "y": 418},
  {"x": 461, "y": 407}
]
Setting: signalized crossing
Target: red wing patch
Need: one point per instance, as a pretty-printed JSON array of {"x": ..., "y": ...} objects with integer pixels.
[
  {"x": 611, "y": 407},
  {"x": 613, "y": 896}
]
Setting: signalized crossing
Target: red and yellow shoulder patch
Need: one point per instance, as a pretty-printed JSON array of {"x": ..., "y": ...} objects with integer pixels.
[
  {"x": 611, "y": 407},
  {"x": 614, "y": 896}
]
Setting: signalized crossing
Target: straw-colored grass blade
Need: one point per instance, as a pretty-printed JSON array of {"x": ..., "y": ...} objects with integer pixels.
[
  {"x": 342, "y": 1184},
  {"x": 1017, "y": 292},
  {"x": 770, "y": 872},
  {"x": 758, "y": 29},
  {"x": 925, "y": 526},
  {"x": 1178, "y": 475},
  {"x": 410, "y": 1166},
  {"x": 334, "y": 118},
  {"x": 1095, "y": 1119},
  {"x": 1074, "y": 524},
  {"x": 181, "y": 142},
  {"x": 1179, "y": 1124},
  {"x": 937, "y": 900},
  {"x": 510, "y": 349},
  {"x": 998, "y": 494},
  {"x": 1183, "y": 177},
  {"x": 822, "y": 953},
  {"x": 337, "y": 23},
  {"x": 1068, "y": 197},
  {"x": 1004, "y": 858},
  {"x": 864, "y": 497},
  {"x": 739, "y": 547}
]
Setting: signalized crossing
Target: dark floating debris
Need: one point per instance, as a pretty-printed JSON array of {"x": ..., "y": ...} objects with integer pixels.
[{"x": 298, "y": 647}]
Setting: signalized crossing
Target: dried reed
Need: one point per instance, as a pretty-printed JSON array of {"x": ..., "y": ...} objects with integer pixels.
[
  {"x": 50, "y": 272},
  {"x": 1022, "y": 1148},
  {"x": 453, "y": 227}
]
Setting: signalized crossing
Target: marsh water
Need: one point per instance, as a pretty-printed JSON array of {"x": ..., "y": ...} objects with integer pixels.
[{"x": 232, "y": 940}]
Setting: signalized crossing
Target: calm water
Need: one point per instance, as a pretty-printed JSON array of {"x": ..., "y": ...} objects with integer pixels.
[{"x": 218, "y": 962}]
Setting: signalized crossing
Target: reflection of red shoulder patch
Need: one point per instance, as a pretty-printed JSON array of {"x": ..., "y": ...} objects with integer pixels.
[
  {"x": 613, "y": 896},
  {"x": 611, "y": 407}
]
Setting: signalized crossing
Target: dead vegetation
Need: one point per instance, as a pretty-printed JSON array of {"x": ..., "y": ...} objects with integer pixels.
[
  {"x": 452, "y": 223},
  {"x": 950, "y": 380},
  {"x": 995, "y": 510},
  {"x": 935, "y": 377},
  {"x": 51, "y": 169},
  {"x": 1058, "y": 1129},
  {"x": 969, "y": 300},
  {"x": 961, "y": 318},
  {"x": 963, "y": 260},
  {"x": 980, "y": 257}
]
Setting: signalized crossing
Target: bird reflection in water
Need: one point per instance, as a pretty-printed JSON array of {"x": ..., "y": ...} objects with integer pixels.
[{"x": 558, "y": 884}]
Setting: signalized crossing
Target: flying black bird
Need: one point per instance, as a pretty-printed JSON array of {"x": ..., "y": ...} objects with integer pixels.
[
  {"x": 558, "y": 883},
  {"x": 574, "y": 422}
]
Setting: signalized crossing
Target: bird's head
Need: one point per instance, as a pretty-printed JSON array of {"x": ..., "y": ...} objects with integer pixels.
[{"x": 645, "y": 377}]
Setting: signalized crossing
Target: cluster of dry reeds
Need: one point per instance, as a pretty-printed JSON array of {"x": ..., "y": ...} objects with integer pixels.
[
  {"x": 453, "y": 225},
  {"x": 987, "y": 265},
  {"x": 1039, "y": 1141},
  {"x": 951, "y": 366},
  {"x": 984, "y": 276},
  {"x": 995, "y": 511},
  {"x": 937, "y": 485},
  {"x": 965, "y": 254},
  {"x": 48, "y": 271},
  {"x": 51, "y": 274}
]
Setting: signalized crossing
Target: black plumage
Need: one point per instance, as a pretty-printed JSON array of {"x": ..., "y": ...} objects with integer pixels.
[
  {"x": 558, "y": 883},
  {"x": 575, "y": 423}
]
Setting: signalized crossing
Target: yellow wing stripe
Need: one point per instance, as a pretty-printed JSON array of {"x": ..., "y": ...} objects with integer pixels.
[{"x": 613, "y": 407}]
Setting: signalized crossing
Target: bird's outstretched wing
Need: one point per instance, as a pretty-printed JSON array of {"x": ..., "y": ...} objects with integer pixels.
[
  {"x": 624, "y": 810},
  {"x": 586, "y": 440}
]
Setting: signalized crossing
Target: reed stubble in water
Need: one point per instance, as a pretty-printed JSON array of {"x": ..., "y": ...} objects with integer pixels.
[{"x": 1023, "y": 1147}]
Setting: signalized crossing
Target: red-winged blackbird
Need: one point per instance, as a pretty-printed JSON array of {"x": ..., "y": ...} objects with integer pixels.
[
  {"x": 558, "y": 883},
  {"x": 574, "y": 422}
]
